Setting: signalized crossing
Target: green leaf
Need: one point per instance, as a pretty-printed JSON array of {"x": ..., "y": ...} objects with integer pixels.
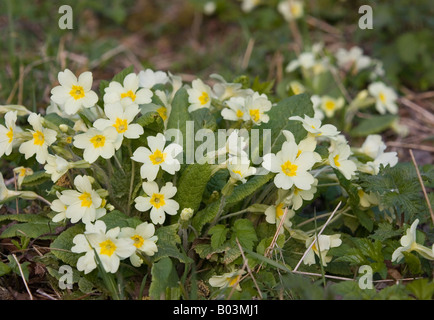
[
  {"x": 4, "y": 269},
  {"x": 179, "y": 114},
  {"x": 61, "y": 246},
  {"x": 53, "y": 119},
  {"x": 28, "y": 229},
  {"x": 121, "y": 75},
  {"x": 298, "y": 105},
  {"x": 413, "y": 262},
  {"x": 374, "y": 124},
  {"x": 115, "y": 219},
  {"x": 13, "y": 265},
  {"x": 163, "y": 277},
  {"x": 191, "y": 185},
  {"x": 36, "y": 179},
  {"x": 384, "y": 231},
  {"x": 168, "y": 240},
  {"x": 422, "y": 289},
  {"x": 218, "y": 235},
  {"x": 245, "y": 232}
]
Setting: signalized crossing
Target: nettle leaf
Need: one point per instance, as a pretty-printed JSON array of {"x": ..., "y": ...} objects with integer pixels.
[
  {"x": 421, "y": 289},
  {"x": 398, "y": 188},
  {"x": 244, "y": 231},
  {"x": 115, "y": 219},
  {"x": 298, "y": 105},
  {"x": 218, "y": 235},
  {"x": 384, "y": 231},
  {"x": 191, "y": 185},
  {"x": 374, "y": 124},
  {"x": 168, "y": 240},
  {"x": 61, "y": 246}
]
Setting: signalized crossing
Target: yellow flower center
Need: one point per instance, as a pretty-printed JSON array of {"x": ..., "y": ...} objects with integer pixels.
[
  {"x": 237, "y": 172},
  {"x": 298, "y": 153},
  {"x": 107, "y": 247},
  {"x": 157, "y": 157},
  {"x": 98, "y": 141},
  {"x": 69, "y": 140},
  {"x": 10, "y": 135},
  {"x": 382, "y": 97},
  {"x": 86, "y": 199},
  {"x": 128, "y": 94},
  {"x": 157, "y": 200},
  {"x": 138, "y": 241},
  {"x": 336, "y": 160},
  {"x": 254, "y": 113},
  {"x": 239, "y": 113},
  {"x": 330, "y": 105},
  {"x": 289, "y": 168},
  {"x": 162, "y": 111},
  {"x": 121, "y": 125},
  {"x": 232, "y": 280},
  {"x": 23, "y": 172},
  {"x": 38, "y": 138},
  {"x": 279, "y": 210},
  {"x": 77, "y": 92},
  {"x": 204, "y": 98}
]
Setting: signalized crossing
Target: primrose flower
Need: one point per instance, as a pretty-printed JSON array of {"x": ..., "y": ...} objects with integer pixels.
[
  {"x": 159, "y": 201},
  {"x": 84, "y": 204},
  {"x": 307, "y": 144},
  {"x": 249, "y": 5},
  {"x": 111, "y": 248},
  {"x": 121, "y": 119},
  {"x": 20, "y": 110},
  {"x": 74, "y": 94},
  {"x": 367, "y": 200},
  {"x": 7, "y": 133},
  {"x": 199, "y": 95},
  {"x": 157, "y": 156},
  {"x": 291, "y": 168},
  {"x": 408, "y": 244},
  {"x": 235, "y": 110},
  {"x": 59, "y": 207},
  {"x": 374, "y": 147},
  {"x": 239, "y": 168},
  {"x": 316, "y": 104},
  {"x": 165, "y": 109},
  {"x": 56, "y": 167},
  {"x": 128, "y": 92},
  {"x": 274, "y": 214},
  {"x": 149, "y": 78},
  {"x": 22, "y": 173},
  {"x": 352, "y": 59},
  {"x": 256, "y": 106},
  {"x": 290, "y": 9},
  {"x": 143, "y": 239},
  {"x": 330, "y": 105},
  {"x": 97, "y": 143},
  {"x": 385, "y": 97},
  {"x": 229, "y": 279},
  {"x": 338, "y": 159},
  {"x": 314, "y": 127},
  {"x": 298, "y": 195},
  {"x": 324, "y": 243},
  {"x": 42, "y": 139},
  {"x": 224, "y": 90}
]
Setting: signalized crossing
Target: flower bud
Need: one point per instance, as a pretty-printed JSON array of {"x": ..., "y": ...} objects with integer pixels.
[{"x": 186, "y": 214}]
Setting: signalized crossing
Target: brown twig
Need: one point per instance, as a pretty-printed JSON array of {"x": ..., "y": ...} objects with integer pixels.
[
  {"x": 22, "y": 276},
  {"x": 422, "y": 185}
]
